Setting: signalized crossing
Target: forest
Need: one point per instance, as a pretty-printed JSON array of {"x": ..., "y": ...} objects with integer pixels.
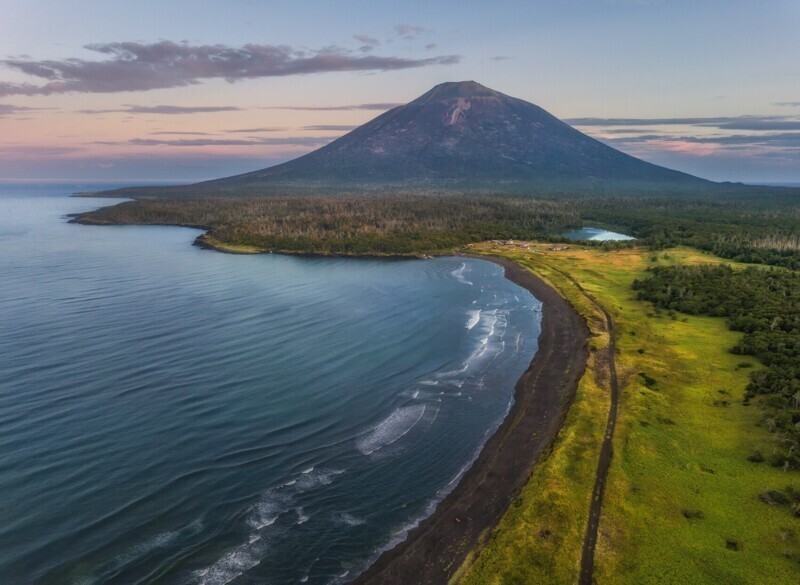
[
  {"x": 761, "y": 228},
  {"x": 383, "y": 225},
  {"x": 758, "y": 228},
  {"x": 764, "y": 304}
]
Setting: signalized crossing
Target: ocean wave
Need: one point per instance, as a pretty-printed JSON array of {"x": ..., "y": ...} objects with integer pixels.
[
  {"x": 493, "y": 325},
  {"x": 474, "y": 318},
  {"x": 392, "y": 428},
  {"x": 232, "y": 564},
  {"x": 272, "y": 505},
  {"x": 349, "y": 519},
  {"x": 136, "y": 552},
  {"x": 314, "y": 478},
  {"x": 302, "y": 517},
  {"x": 402, "y": 533},
  {"x": 458, "y": 274},
  {"x": 158, "y": 541},
  {"x": 277, "y": 501}
]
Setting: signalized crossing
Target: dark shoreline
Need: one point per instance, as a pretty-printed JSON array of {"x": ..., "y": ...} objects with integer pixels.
[{"x": 437, "y": 547}]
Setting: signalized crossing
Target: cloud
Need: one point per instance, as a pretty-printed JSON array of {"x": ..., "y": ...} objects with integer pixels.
[
  {"x": 500, "y": 58},
  {"x": 762, "y": 124},
  {"x": 790, "y": 104},
  {"x": 168, "y": 110},
  {"x": 132, "y": 66},
  {"x": 171, "y": 110},
  {"x": 168, "y": 133},
  {"x": 317, "y": 128},
  {"x": 146, "y": 166},
  {"x": 306, "y": 141},
  {"x": 21, "y": 152},
  {"x": 409, "y": 31},
  {"x": 714, "y": 143},
  {"x": 11, "y": 109},
  {"x": 331, "y": 127},
  {"x": 782, "y": 139},
  {"x": 376, "y": 106},
  {"x": 254, "y": 130},
  {"x": 368, "y": 43},
  {"x": 628, "y": 130},
  {"x": 430, "y": 46},
  {"x": 367, "y": 40},
  {"x": 755, "y": 123},
  {"x": 645, "y": 121}
]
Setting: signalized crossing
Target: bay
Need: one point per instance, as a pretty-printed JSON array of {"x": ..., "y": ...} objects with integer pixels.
[{"x": 175, "y": 415}]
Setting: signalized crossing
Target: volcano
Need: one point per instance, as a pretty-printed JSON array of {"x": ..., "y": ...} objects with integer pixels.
[{"x": 459, "y": 135}]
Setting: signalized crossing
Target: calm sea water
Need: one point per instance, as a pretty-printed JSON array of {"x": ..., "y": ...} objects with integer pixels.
[{"x": 176, "y": 415}]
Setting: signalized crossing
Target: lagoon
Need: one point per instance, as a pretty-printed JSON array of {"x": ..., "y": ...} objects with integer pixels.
[{"x": 594, "y": 234}]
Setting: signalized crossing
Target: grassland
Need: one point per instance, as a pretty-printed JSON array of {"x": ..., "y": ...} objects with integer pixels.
[{"x": 681, "y": 503}]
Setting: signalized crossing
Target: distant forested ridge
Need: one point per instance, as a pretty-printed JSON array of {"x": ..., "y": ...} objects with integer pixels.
[
  {"x": 762, "y": 226},
  {"x": 764, "y": 304},
  {"x": 354, "y": 225}
]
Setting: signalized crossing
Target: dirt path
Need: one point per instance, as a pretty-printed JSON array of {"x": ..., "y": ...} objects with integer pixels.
[
  {"x": 437, "y": 547},
  {"x": 606, "y": 451}
]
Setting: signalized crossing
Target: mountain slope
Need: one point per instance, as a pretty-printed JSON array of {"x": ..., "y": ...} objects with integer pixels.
[
  {"x": 461, "y": 135},
  {"x": 465, "y": 131}
]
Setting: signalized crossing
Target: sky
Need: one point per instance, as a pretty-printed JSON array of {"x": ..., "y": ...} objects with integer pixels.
[{"x": 189, "y": 90}]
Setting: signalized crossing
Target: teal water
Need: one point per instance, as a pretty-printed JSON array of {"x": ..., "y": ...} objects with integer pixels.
[
  {"x": 176, "y": 415},
  {"x": 597, "y": 235}
]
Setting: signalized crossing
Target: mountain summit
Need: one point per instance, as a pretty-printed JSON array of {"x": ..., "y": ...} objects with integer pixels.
[{"x": 461, "y": 132}]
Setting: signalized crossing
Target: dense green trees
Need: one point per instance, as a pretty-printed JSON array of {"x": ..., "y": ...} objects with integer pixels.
[
  {"x": 765, "y": 305},
  {"x": 762, "y": 229},
  {"x": 397, "y": 224}
]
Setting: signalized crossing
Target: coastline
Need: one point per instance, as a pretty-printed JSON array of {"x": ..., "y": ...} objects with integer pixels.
[
  {"x": 207, "y": 241},
  {"x": 435, "y": 550}
]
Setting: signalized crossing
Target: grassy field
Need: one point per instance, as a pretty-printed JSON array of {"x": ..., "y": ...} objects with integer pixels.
[{"x": 681, "y": 504}]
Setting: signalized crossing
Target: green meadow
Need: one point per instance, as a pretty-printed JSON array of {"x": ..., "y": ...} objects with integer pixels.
[{"x": 682, "y": 500}]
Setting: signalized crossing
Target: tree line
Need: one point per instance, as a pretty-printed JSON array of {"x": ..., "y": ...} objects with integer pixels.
[
  {"x": 763, "y": 229},
  {"x": 762, "y": 303}
]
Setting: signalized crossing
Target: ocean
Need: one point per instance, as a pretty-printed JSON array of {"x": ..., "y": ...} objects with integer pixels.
[{"x": 175, "y": 415}]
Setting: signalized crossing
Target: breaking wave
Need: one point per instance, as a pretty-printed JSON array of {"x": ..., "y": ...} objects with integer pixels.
[
  {"x": 392, "y": 428},
  {"x": 272, "y": 504},
  {"x": 458, "y": 274}
]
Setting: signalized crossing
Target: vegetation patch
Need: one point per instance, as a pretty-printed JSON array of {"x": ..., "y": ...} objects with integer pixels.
[
  {"x": 765, "y": 306},
  {"x": 676, "y": 454},
  {"x": 348, "y": 225},
  {"x": 758, "y": 225}
]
